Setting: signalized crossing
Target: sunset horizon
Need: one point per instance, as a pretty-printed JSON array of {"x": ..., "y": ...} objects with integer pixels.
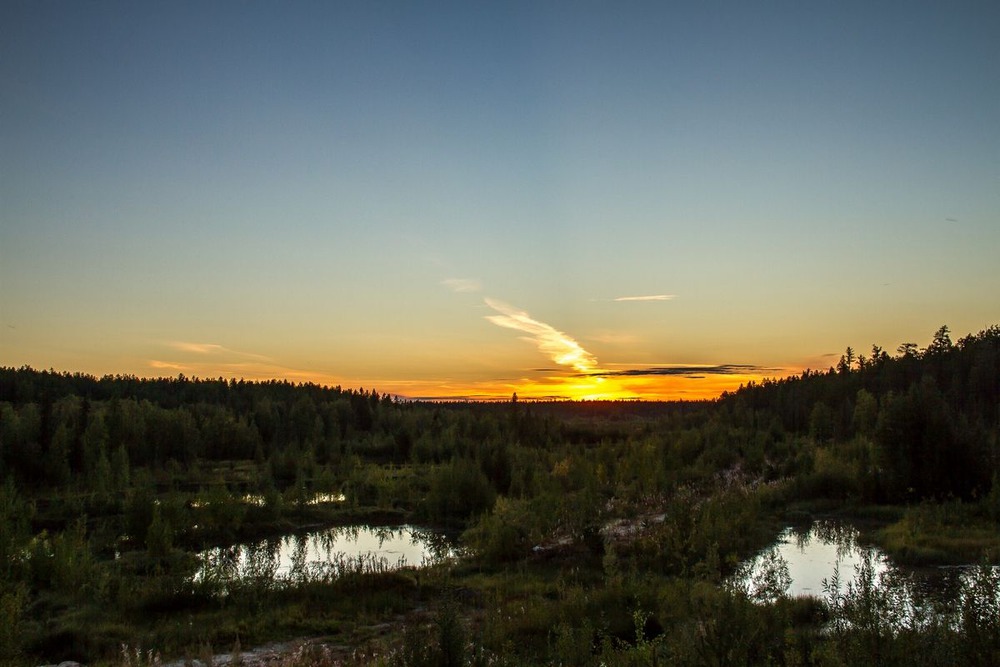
[
  {"x": 611, "y": 382},
  {"x": 381, "y": 333},
  {"x": 469, "y": 200}
]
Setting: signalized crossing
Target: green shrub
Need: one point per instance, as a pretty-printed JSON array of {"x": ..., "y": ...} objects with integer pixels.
[
  {"x": 12, "y": 605},
  {"x": 458, "y": 491},
  {"x": 506, "y": 533}
]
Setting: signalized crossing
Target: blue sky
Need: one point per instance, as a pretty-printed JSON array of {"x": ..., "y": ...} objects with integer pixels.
[{"x": 338, "y": 191}]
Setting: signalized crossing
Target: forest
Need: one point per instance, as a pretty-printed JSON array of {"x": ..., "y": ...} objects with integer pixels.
[{"x": 590, "y": 533}]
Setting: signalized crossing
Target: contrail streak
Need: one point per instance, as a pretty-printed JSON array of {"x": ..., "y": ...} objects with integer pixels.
[{"x": 559, "y": 347}]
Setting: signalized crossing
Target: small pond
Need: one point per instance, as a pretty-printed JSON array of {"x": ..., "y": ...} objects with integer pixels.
[
  {"x": 324, "y": 554},
  {"x": 814, "y": 554}
]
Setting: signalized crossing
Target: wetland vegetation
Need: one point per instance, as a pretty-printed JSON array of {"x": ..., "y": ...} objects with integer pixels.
[{"x": 612, "y": 533}]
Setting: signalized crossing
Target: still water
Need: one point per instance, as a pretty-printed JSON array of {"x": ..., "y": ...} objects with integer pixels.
[
  {"x": 324, "y": 554},
  {"x": 816, "y": 553}
]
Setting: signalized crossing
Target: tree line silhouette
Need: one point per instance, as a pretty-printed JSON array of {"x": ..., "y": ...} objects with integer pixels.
[{"x": 107, "y": 486}]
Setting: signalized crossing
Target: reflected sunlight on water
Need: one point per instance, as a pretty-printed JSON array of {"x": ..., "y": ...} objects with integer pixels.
[
  {"x": 814, "y": 555},
  {"x": 326, "y": 554}
]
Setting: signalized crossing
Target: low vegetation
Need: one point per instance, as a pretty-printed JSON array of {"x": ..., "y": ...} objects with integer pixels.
[{"x": 594, "y": 533}]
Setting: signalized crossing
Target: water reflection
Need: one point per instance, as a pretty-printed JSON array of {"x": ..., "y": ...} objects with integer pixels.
[
  {"x": 827, "y": 557},
  {"x": 323, "y": 498},
  {"x": 258, "y": 500},
  {"x": 322, "y": 555},
  {"x": 815, "y": 553}
]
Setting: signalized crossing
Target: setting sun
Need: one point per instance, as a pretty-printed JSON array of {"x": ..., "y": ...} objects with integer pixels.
[
  {"x": 392, "y": 333},
  {"x": 583, "y": 205}
]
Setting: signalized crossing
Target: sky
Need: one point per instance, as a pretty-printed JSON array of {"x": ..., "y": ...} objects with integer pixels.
[{"x": 471, "y": 199}]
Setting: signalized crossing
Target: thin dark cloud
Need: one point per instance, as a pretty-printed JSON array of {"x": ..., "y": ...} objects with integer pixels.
[{"x": 686, "y": 371}]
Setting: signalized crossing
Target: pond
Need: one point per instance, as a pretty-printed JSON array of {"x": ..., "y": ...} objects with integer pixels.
[
  {"x": 813, "y": 554},
  {"x": 323, "y": 555},
  {"x": 830, "y": 552}
]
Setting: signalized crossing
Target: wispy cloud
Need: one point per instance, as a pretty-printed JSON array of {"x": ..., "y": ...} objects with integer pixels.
[
  {"x": 648, "y": 297},
  {"x": 212, "y": 359},
  {"x": 166, "y": 365},
  {"x": 462, "y": 285},
  {"x": 559, "y": 347},
  {"x": 577, "y": 374},
  {"x": 615, "y": 338},
  {"x": 213, "y": 349},
  {"x": 198, "y": 348}
]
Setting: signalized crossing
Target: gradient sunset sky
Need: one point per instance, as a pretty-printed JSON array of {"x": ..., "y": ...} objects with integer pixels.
[{"x": 579, "y": 199}]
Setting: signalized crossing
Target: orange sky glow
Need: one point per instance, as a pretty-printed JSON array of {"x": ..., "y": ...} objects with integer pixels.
[
  {"x": 535, "y": 386},
  {"x": 492, "y": 198}
]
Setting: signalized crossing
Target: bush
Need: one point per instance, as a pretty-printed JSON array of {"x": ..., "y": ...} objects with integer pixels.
[
  {"x": 507, "y": 533},
  {"x": 12, "y": 603},
  {"x": 458, "y": 490}
]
